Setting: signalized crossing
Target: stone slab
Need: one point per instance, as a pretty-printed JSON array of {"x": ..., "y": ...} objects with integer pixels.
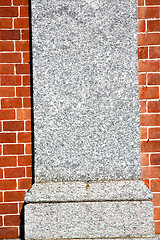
[
  {"x": 92, "y": 191},
  {"x": 89, "y": 220},
  {"x": 85, "y": 90}
]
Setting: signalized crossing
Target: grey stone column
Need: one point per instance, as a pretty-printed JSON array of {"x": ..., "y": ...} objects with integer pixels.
[{"x": 87, "y": 155}]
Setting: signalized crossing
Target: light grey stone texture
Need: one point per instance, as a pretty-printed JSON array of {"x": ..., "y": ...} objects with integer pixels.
[
  {"x": 119, "y": 219},
  {"x": 85, "y": 90},
  {"x": 86, "y": 123},
  {"x": 92, "y": 191}
]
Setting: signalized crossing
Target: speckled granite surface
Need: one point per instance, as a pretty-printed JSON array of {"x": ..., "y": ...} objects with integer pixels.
[
  {"x": 86, "y": 123},
  {"x": 85, "y": 90}
]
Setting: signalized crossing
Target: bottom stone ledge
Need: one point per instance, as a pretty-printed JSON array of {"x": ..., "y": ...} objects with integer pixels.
[{"x": 90, "y": 220}]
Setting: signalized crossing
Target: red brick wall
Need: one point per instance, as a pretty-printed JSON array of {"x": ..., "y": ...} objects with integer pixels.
[
  {"x": 149, "y": 82},
  {"x": 15, "y": 114},
  {"x": 15, "y": 111}
]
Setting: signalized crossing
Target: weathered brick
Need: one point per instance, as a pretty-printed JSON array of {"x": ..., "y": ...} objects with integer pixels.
[
  {"x": 148, "y": 92},
  {"x": 14, "y": 196},
  {"x": 11, "y": 103},
  {"x": 13, "y": 149},
  {"x": 16, "y": 172},
  {"x": 149, "y": 119}
]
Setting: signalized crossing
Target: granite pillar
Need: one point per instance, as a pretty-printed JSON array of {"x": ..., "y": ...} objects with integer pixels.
[{"x": 86, "y": 123}]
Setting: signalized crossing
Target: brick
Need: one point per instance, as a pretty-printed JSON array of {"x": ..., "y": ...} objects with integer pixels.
[
  {"x": 0, "y": 126},
  {"x": 5, "y": 2},
  {"x": 156, "y": 199},
  {"x": 28, "y": 171},
  {"x": 22, "y": 69},
  {"x": 23, "y": 91},
  {"x": 8, "y": 184},
  {"x": 154, "y": 52},
  {"x": 157, "y": 227},
  {"x": 28, "y": 126},
  {"x": 7, "y": 137},
  {"x": 152, "y": 2},
  {"x": 147, "y": 12},
  {"x": 8, "y": 11},
  {"x": 146, "y": 182},
  {"x": 13, "y": 149},
  {"x": 9, "y": 34},
  {"x": 143, "y": 133},
  {"x": 10, "y": 57},
  {"x": 16, "y": 172},
  {"x": 148, "y": 65},
  {"x": 148, "y": 92},
  {"x": 14, "y": 196},
  {"x": 150, "y": 146},
  {"x": 25, "y": 34},
  {"x": 1, "y": 200},
  {"x": 11, "y": 103},
  {"x": 24, "y": 114},
  {"x": 7, "y": 114},
  {"x": 141, "y": 26},
  {"x": 26, "y": 57},
  {"x": 8, "y": 232},
  {"x": 26, "y": 80},
  {"x": 144, "y": 159},
  {"x": 155, "y": 159},
  {"x": 8, "y": 161},
  {"x": 22, "y": 46},
  {"x": 25, "y": 160},
  {"x": 149, "y": 119},
  {"x": 24, "y": 11},
  {"x": 21, "y": 207},
  {"x": 12, "y": 220},
  {"x": 154, "y": 106},
  {"x": 27, "y": 102},
  {"x": 5, "y": 23},
  {"x": 140, "y": 2},
  {"x": 8, "y": 208},
  {"x": 20, "y": 2},
  {"x": 149, "y": 39},
  {"x": 153, "y": 25},
  {"x": 142, "y": 78},
  {"x": 154, "y": 78},
  {"x": 24, "y": 137},
  {"x": 142, "y": 106},
  {"x": 142, "y": 52},
  {"x": 156, "y": 213},
  {"x": 150, "y": 172},
  {"x": 28, "y": 149},
  {"x": 6, "y": 45},
  {"x": 155, "y": 185},
  {"x": 10, "y": 80},
  {"x": 1, "y": 173},
  {"x": 154, "y": 133},
  {"x": 13, "y": 125},
  {"x": 21, "y": 23},
  {"x": 6, "y": 69},
  {"x": 25, "y": 183},
  {"x": 7, "y": 92}
]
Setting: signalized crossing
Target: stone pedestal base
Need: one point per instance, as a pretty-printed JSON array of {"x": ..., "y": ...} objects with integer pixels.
[{"x": 94, "y": 210}]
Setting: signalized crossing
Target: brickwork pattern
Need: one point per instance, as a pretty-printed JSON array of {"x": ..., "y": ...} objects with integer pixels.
[
  {"x": 15, "y": 114},
  {"x": 15, "y": 108},
  {"x": 149, "y": 82}
]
